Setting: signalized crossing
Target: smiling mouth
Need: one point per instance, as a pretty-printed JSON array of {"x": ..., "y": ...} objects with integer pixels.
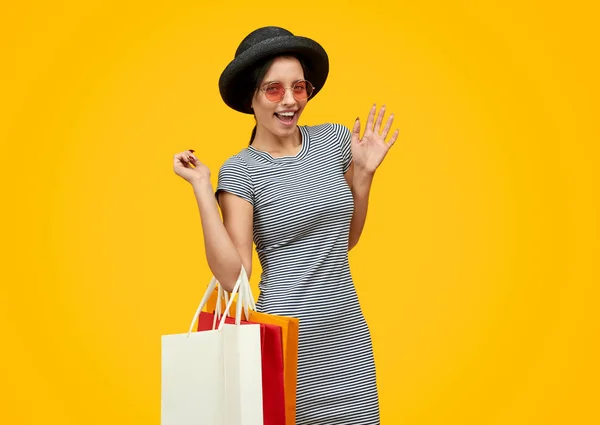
[{"x": 286, "y": 117}]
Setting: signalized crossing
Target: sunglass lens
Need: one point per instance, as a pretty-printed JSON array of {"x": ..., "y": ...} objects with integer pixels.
[
  {"x": 302, "y": 90},
  {"x": 274, "y": 92}
]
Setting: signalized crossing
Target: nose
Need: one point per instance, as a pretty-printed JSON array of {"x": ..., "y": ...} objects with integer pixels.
[{"x": 288, "y": 97}]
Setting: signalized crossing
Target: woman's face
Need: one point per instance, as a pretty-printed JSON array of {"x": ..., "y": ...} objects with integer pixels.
[{"x": 280, "y": 118}]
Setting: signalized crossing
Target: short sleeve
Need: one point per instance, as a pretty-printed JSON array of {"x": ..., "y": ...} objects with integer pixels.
[
  {"x": 235, "y": 178},
  {"x": 344, "y": 137}
]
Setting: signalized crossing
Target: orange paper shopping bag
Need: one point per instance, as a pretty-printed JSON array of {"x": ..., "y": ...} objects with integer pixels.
[{"x": 289, "y": 333}]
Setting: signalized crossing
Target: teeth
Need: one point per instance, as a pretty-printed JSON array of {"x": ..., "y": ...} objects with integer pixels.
[{"x": 286, "y": 114}]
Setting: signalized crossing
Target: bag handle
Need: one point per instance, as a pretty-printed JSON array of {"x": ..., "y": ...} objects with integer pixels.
[
  {"x": 245, "y": 299},
  {"x": 242, "y": 286}
]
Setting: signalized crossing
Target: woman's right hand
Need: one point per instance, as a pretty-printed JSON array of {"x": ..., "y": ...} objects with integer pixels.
[{"x": 188, "y": 167}]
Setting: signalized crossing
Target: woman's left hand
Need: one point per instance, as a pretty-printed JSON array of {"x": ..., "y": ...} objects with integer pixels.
[{"x": 369, "y": 151}]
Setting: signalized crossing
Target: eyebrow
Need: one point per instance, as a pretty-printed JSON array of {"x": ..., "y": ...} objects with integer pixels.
[{"x": 278, "y": 81}]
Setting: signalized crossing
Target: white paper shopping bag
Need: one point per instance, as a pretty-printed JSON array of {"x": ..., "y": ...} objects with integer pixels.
[
  {"x": 213, "y": 377},
  {"x": 193, "y": 385},
  {"x": 243, "y": 375}
]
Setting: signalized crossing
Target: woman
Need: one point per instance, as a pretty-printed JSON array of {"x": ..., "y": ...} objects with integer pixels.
[{"x": 300, "y": 193}]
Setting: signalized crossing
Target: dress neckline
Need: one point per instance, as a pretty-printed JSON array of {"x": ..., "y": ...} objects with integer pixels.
[{"x": 305, "y": 142}]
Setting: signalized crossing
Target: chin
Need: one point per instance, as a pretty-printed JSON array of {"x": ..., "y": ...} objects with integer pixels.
[
  {"x": 288, "y": 132},
  {"x": 280, "y": 130}
]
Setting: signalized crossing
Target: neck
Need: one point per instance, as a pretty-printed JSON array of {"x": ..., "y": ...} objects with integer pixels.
[{"x": 266, "y": 141}]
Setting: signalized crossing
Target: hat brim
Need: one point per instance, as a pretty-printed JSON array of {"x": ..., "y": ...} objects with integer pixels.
[{"x": 236, "y": 76}]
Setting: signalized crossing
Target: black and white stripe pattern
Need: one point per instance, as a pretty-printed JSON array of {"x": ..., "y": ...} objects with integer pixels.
[{"x": 302, "y": 213}]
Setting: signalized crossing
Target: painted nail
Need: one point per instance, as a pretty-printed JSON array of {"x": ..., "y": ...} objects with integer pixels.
[{"x": 192, "y": 150}]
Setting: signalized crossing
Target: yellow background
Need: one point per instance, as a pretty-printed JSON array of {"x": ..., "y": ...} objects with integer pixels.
[{"x": 477, "y": 269}]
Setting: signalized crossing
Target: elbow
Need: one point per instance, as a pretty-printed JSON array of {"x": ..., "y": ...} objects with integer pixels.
[
  {"x": 228, "y": 282},
  {"x": 227, "y": 285},
  {"x": 229, "y": 279}
]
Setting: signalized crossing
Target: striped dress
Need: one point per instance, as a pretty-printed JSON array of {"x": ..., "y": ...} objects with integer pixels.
[{"x": 302, "y": 213}]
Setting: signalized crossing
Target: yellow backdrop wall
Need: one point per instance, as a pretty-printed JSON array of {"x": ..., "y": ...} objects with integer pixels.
[{"x": 477, "y": 269}]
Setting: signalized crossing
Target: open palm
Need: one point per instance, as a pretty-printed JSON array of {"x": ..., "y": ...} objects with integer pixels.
[{"x": 369, "y": 151}]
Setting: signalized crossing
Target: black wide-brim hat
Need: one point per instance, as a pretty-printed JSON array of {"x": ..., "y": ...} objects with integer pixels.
[{"x": 235, "y": 82}]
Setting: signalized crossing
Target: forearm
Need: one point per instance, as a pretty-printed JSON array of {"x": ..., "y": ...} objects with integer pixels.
[
  {"x": 361, "y": 188},
  {"x": 223, "y": 258}
]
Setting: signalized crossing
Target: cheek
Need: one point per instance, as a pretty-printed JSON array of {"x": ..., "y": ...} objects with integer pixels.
[
  {"x": 301, "y": 107},
  {"x": 261, "y": 109},
  {"x": 262, "y": 114}
]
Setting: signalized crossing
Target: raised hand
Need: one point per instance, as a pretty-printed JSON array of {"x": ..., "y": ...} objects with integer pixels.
[
  {"x": 369, "y": 151},
  {"x": 187, "y": 166}
]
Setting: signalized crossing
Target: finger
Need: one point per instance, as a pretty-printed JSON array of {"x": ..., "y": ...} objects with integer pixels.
[
  {"x": 191, "y": 157},
  {"x": 182, "y": 159},
  {"x": 393, "y": 139},
  {"x": 371, "y": 118},
  {"x": 193, "y": 160},
  {"x": 387, "y": 127},
  {"x": 356, "y": 131},
  {"x": 379, "y": 119}
]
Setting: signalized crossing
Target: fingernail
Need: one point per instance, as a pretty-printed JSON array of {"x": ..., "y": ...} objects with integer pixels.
[
  {"x": 192, "y": 150},
  {"x": 356, "y": 119}
]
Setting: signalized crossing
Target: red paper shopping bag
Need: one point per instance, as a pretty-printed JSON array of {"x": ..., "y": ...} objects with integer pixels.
[{"x": 271, "y": 363}]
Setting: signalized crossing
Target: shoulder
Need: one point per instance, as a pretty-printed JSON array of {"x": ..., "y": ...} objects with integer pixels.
[
  {"x": 235, "y": 178},
  {"x": 235, "y": 167},
  {"x": 329, "y": 130},
  {"x": 236, "y": 161}
]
